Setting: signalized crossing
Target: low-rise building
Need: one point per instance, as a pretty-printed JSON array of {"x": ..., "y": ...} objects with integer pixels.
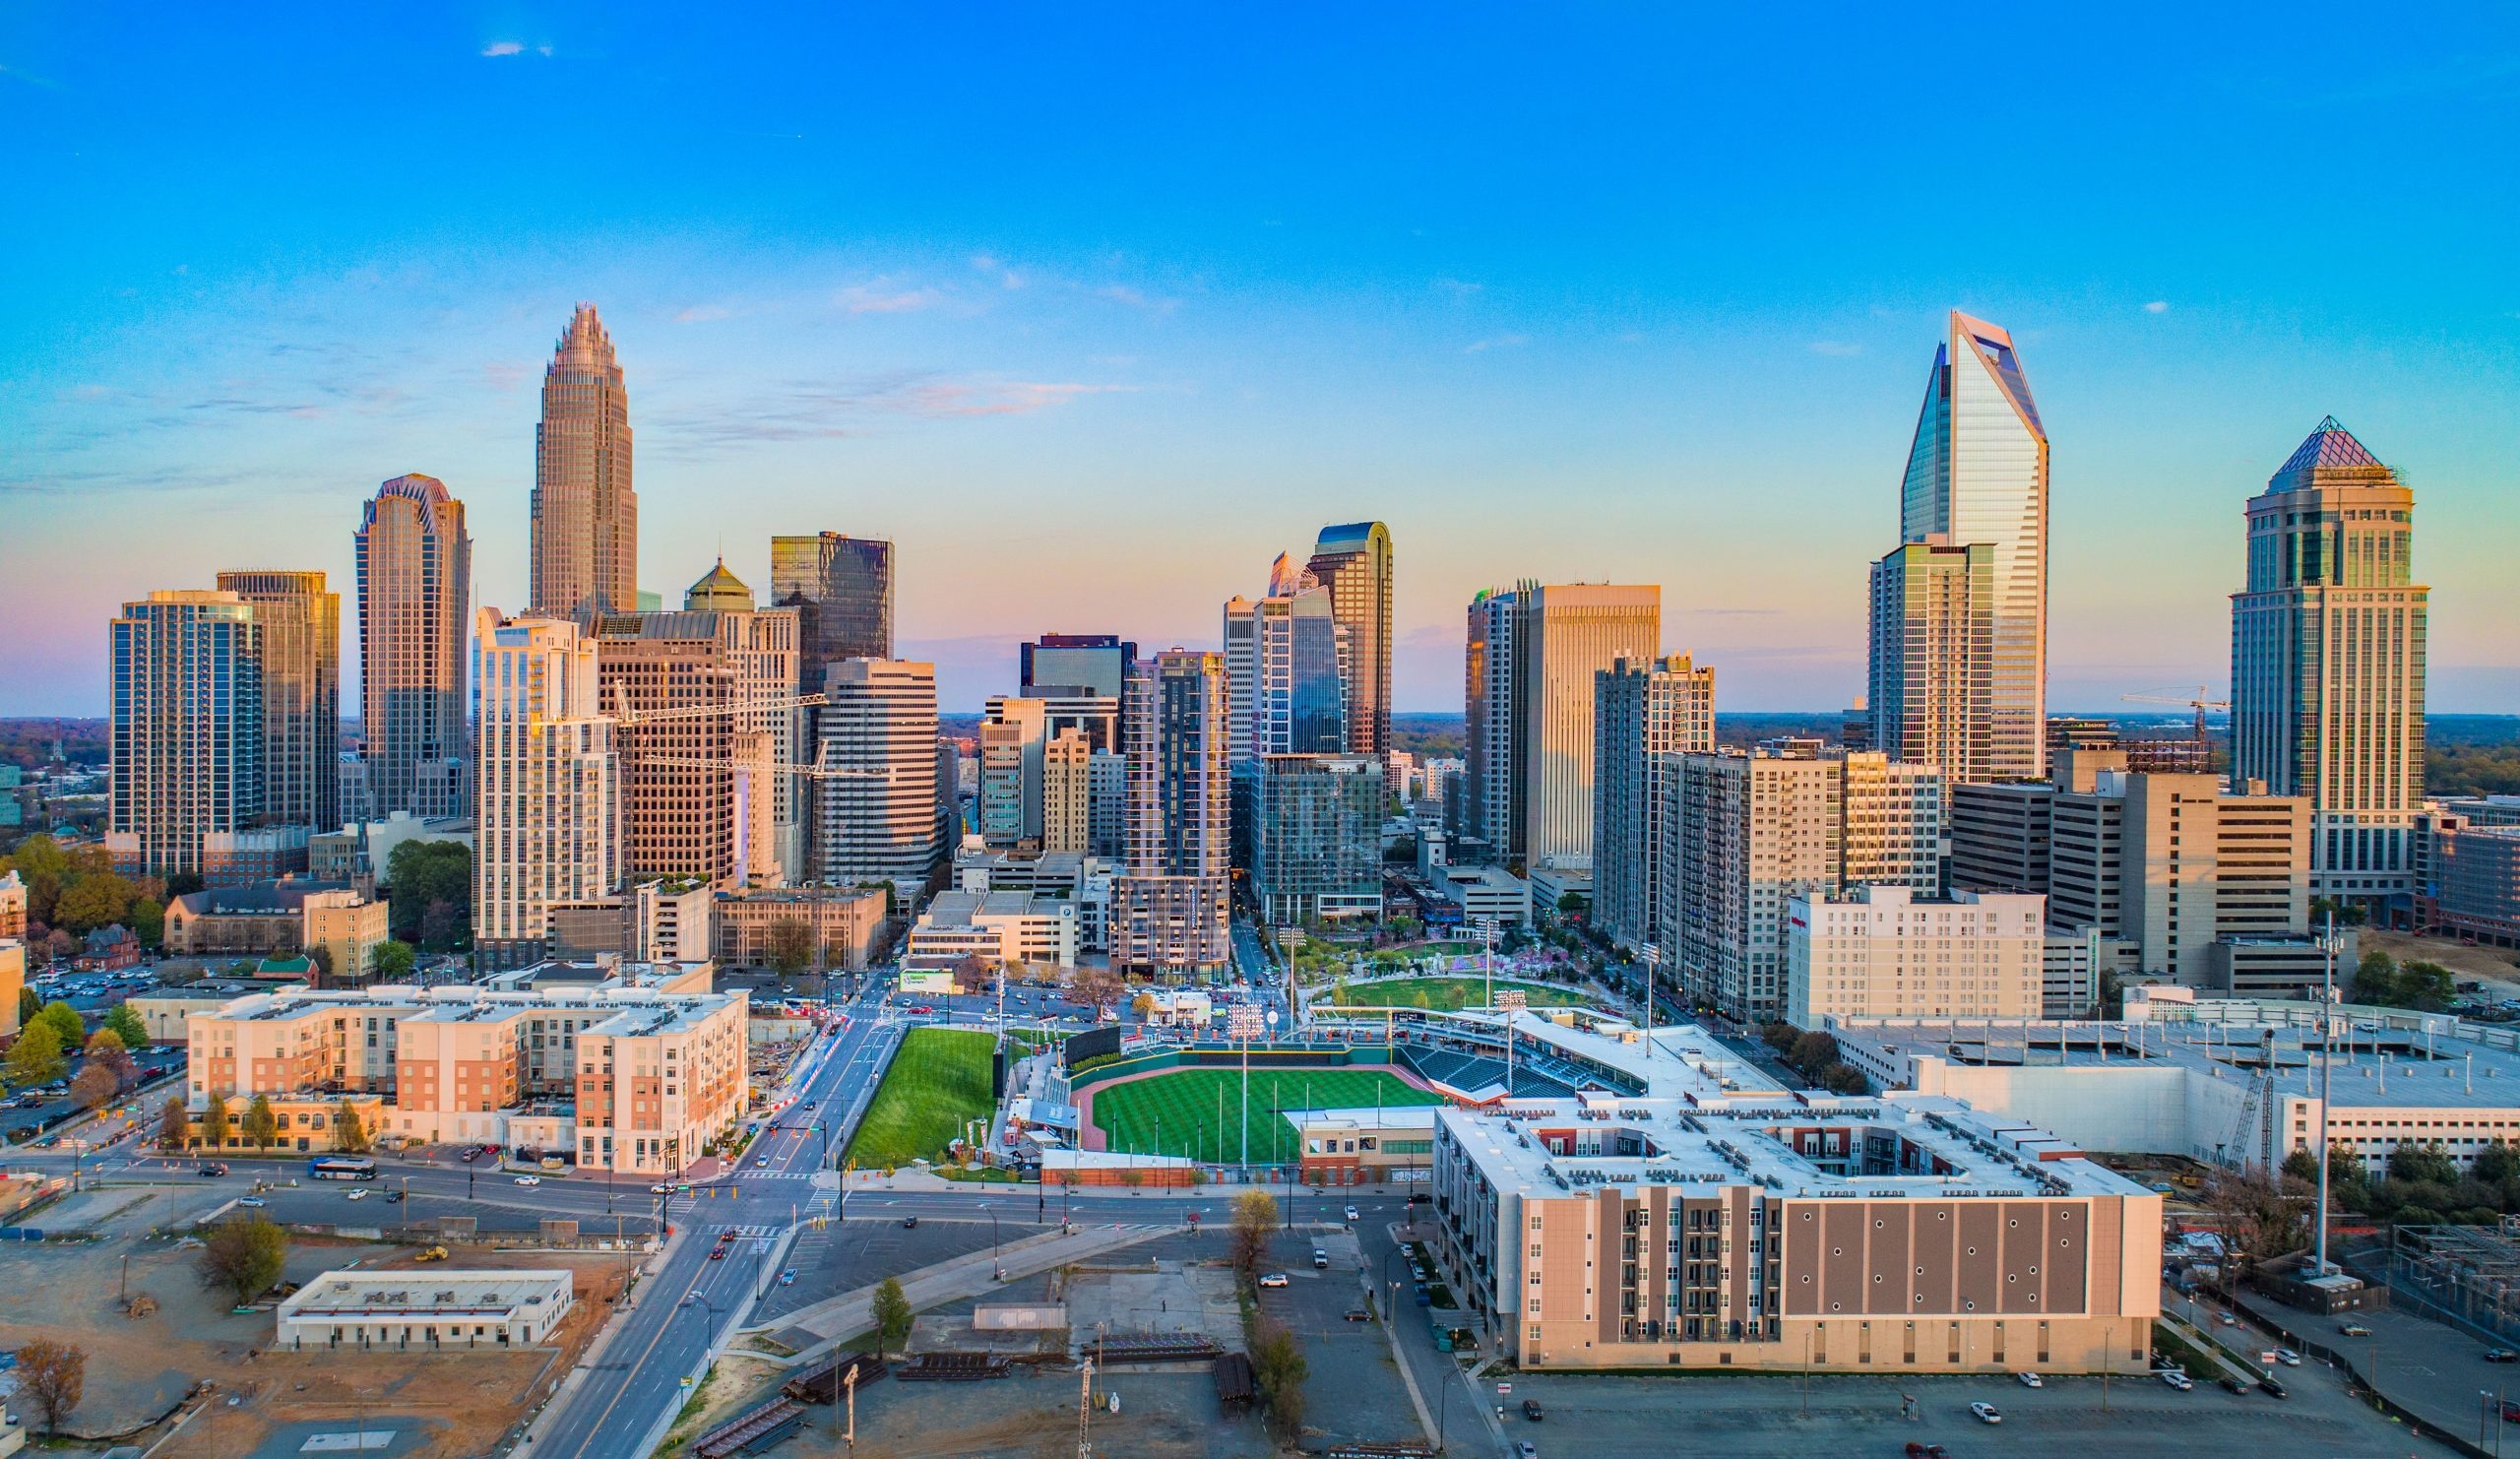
[
  {"x": 1366, "y": 1146},
  {"x": 845, "y": 923},
  {"x": 996, "y": 928},
  {"x": 425, "y": 1311},
  {"x": 1486, "y": 894}
]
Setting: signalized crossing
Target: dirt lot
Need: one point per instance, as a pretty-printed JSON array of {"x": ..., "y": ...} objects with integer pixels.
[
  {"x": 140, "y": 1368},
  {"x": 2466, "y": 962}
]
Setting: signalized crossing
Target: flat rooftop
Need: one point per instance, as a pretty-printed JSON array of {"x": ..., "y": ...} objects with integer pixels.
[
  {"x": 2378, "y": 1063},
  {"x": 443, "y": 1294},
  {"x": 1904, "y": 1147}
]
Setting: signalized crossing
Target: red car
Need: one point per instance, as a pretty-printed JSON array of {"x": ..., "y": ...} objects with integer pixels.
[{"x": 922, "y": 1008}]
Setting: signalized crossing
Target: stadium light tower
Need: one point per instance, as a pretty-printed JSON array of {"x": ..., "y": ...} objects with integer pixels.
[
  {"x": 1243, "y": 1024},
  {"x": 1508, "y": 1003}
]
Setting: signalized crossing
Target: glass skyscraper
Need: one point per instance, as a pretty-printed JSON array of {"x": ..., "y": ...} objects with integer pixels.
[
  {"x": 843, "y": 587},
  {"x": 1978, "y": 473}
]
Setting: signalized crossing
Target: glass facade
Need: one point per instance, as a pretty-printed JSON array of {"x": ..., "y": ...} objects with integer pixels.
[{"x": 843, "y": 590}]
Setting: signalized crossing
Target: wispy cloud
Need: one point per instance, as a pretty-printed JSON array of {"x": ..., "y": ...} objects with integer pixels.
[
  {"x": 1122, "y": 293},
  {"x": 859, "y": 298},
  {"x": 13, "y": 73},
  {"x": 826, "y": 410},
  {"x": 997, "y": 269},
  {"x": 513, "y": 48},
  {"x": 1460, "y": 288},
  {"x": 1835, "y": 348},
  {"x": 1495, "y": 342},
  {"x": 2158, "y": 306},
  {"x": 703, "y": 314}
]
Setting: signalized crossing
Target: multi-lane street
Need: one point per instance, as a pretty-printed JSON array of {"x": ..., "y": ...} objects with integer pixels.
[{"x": 638, "y": 1378}]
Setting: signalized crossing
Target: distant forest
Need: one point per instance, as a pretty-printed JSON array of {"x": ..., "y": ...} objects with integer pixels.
[{"x": 27, "y": 743}]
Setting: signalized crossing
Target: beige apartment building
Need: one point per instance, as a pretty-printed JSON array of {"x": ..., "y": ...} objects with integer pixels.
[
  {"x": 1885, "y": 952},
  {"x": 845, "y": 923},
  {"x": 1066, "y": 792},
  {"x": 517, "y": 1064},
  {"x": 549, "y": 811}
]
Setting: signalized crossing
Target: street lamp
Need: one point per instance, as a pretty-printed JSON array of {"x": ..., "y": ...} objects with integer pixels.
[{"x": 992, "y": 1242}]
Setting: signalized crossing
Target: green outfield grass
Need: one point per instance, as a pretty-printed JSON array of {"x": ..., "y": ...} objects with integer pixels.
[
  {"x": 1450, "y": 994},
  {"x": 1186, "y": 1104},
  {"x": 938, "y": 1080}
]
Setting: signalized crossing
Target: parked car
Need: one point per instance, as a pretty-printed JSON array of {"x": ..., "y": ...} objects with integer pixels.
[
  {"x": 255, "y": 1201},
  {"x": 2502, "y": 1355},
  {"x": 660, "y": 1190},
  {"x": 2353, "y": 1329},
  {"x": 2267, "y": 1384},
  {"x": 396, "y": 1197},
  {"x": 910, "y": 1222},
  {"x": 788, "y": 1278},
  {"x": 2288, "y": 1358},
  {"x": 2176, "y": 1380},
  {"x": 1532, "y": 1409},
  {"x": 529, "y": 1180},
  {"x": 357, "y": 1195},
  {"x": 1273, "y": 1279},
  {"x": 1321, "y": 1260},
  {"x": 1985, "y": 1413},
  {"x": 2029, "y": 1380},
  {"x": 1358, "y": 1314},
  {"x": 2232, "y": 1385},
  {"x": 1526, "y": 1451}
]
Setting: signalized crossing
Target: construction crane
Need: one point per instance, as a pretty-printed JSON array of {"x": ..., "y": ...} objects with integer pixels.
[
  {"x": 2197, "y": 702},
  {"x": 710, "y": 711},
  {"x": 2258, "y": 1106}
]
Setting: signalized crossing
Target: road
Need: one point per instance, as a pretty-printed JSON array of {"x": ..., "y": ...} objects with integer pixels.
[{"x": 691, "y": 1304}]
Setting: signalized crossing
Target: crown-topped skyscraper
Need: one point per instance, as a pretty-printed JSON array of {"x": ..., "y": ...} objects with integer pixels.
[{"x": 586, "y": 516}]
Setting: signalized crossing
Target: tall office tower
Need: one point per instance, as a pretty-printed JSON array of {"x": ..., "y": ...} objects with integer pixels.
[
  {"x": 414, "y": 611},
  {"x": 1748, "y": 833},
  {"x": 302, "y": 636},
  {"x": 842, "y": 588},
  {"x": 1978, "y": 473},
  {"x": 548, "y": 805},
  {"x": 1569, "y": 633},
  {"x": 1014, "y": 736},
  {"x": 1492, "y": 756},
  {"x": 187, "y": 780},
  {"x": 586, "y": 516},
  {"x": 881, "y": 822},
  {"x": 1169, "y": 908},
  {"x": 1284, "y": 666},
  {"x": 2327, "y": 660},
  {"x": 1645, "y": 712},
  {"x": 1067, "y": 792},
  {"x": 1353, "y": 562},
  {"x": 1090, "y": 715},
  {"x": 1076, "y": 665},
  {"x": 1932, "y": 671},
  {"x": 1106, "y": 804},
  {"x": 1319, "y": 838}
]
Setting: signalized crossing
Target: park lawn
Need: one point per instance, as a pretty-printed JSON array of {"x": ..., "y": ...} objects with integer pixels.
[
  {"x": 1186, "y": 1103},
  {"x": 1450, "y": 994},
  {"x": 938, "y": 1081}
]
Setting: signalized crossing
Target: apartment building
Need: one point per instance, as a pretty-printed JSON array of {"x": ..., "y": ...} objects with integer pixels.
[{"x": 1884, "y": 952}]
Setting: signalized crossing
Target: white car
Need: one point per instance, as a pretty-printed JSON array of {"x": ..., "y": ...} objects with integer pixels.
[
  {"x": 2030, "y": 1380},
  {"x": 2288, "y": 1358},
  {"x": 358, "y": 1195},
  {"x": 252, "y": 1200},
  {"x": 529, "y": 1180},
  {"x": 1352, "y": 1215},
  {"x": 2176, "y": 1380},
  {"x": 1984, "y": 1412},
  {"x": 1273, "y": 1279},
  {"x": 660, "y": 1190}
]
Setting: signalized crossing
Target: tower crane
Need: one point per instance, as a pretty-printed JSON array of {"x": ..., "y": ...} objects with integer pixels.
[{"x": 2197, "y": 702}]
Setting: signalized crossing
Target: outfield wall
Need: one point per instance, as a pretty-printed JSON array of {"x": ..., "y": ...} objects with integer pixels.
[{"x": 1232, "y": 1056}]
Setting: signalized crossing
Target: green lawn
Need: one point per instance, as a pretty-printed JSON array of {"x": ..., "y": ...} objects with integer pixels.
[
  {"x": 1449, "y": 995},
  {"x": 1186, "y": 1102},
  {"x": 938, "y": 1081}
]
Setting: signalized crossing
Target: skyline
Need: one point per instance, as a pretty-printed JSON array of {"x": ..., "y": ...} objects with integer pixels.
[{"x": 876, "y": 317}]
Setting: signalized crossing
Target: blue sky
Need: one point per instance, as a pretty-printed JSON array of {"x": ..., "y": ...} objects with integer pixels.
[{"x": 1096, "y": 309}]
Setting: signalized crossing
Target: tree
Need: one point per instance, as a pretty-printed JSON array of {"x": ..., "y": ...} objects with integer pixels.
[
  {"x": 395, "y": 961},
  {"x": 2259, "y": 1215},
  {"x": 1099, "y": 988},
  {"x": 128, "y": 1026},
  {"x": 788, "y": 946},
  {"x": 2427, "y": 987},
  {"x": 2422, "y": 1163},
  {"x": 892, "y": 1317},
  {"x": 260, "y": 1126},
  {"x": 2375, "y": 981},
  {"x": 29, "y": 1003},
  {"x": 1844, "y": 1078},
  {"x": 1255, "y": 1221},
  {"x": 1779, "y": 1036},
  {"x": 243, "y": 1258},
  {"x": 106, "y": 1047},
  {"x": 94, "y": 1087},
  {"x": 350, "y": 1132},
  {"x": 147, "y": 920},
  {"x": 321, "y": 956},
  {"x": 54, "y": 1376},
  {"x": 214, "y": 1122},
  {"x": 1279, "y": 1364},
  {"x": 421, "y": 872},
  {"x": 2497, "y": 1162},
  {"x": 67, "y": 1025},
  {"x": 90, "y": 902},
  {"x": 174, "y": 1124},
  {"x": 1142, "y": 1006},
  {"x": 442, "y": 925},
  {"x": 35, "y": 1058},
  {"x": 1812, "y": 1053}
]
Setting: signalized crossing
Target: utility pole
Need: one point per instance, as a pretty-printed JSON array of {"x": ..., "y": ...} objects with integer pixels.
[
  {"x": 849, "y": 1382},
  {"x": 1085, "y": 1413}
]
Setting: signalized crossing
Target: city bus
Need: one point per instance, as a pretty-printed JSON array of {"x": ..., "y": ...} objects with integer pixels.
[{"x": 342, "y": 1168}]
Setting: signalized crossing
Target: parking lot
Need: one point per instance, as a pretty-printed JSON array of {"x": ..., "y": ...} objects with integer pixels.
[{"x": 1355, "y": 1393}]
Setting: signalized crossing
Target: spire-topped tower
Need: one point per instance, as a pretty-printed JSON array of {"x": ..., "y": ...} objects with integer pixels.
[{"x": 586, "y": 516}]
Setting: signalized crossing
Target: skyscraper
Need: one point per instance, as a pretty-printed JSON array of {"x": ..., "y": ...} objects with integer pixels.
[
  {"x": 1319, "y": 837},
  {"x": 414, "y": 606},
  {"x": 2327, "y": 660},
  {"x": 586, "y": 516},
  {"x": 1491, "y": 786},
  {"x": 1978, "y": 473},
  {"x": 301, "y": 650},
  {"x": 1645, "y": 713},
  {"x": 1067, "y": 792},
  {"x": 1170, "y": 908},
  {"x": 1084, "y": 665},
  {"x": 842, "y": 588},
  {"x": 547, "y": 809},
  {"x": 1569, "y": 632},
  {"x": 1285, "y": 667},
  {"x": 1932, "y": 660},
  {"x": 882, "y": 822},
  {"x": 187, "y": 778},
  {"x": 1353, "y": 561},
  {"x": 1013, "y": 739}
]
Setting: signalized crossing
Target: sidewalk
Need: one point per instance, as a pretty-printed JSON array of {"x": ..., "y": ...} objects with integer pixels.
[{"x": 813, "y": 1330}]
